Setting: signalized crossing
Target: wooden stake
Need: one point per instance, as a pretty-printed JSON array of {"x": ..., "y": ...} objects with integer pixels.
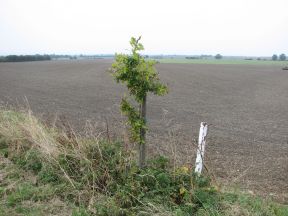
[{"x": 201, "y": 147}]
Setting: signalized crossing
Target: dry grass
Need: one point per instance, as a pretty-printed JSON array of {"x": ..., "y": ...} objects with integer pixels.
[
  {"x": 83, "y": 172},
  {"x": 24, "y": 129}
]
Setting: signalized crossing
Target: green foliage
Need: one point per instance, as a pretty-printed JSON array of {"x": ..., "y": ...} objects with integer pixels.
[
  {"x": 138, "y": 74},
  {"x": 108, "y": 206},
  {"x": 274, "y": 57},
  {"x": 29, "y": 160},
  {"x": 3, "y": 146},
  {"x": 95, "y": 177},
  {"x": 80, "y": 212},
  {"x": 251, "y": 205},
  {"x": 174, "y": 191},
  {"x": 134, "y": 119},
  {"x": 23, "y": 192},
  {"x": 47, "y": 175},
  {"x": 27, "y": 191},
  {"x": 140, "y": 77},
  {"x": 110, "y": 172}
]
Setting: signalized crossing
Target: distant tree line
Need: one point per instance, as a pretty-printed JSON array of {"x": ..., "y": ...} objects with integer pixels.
[
  {"x": 199, "y": 57},
  {"x": 218, "y": 56},
  {"x": 281, "y": 57},
  {"x": 23, "y": 58},
  {"x": 192, "y": 57}
]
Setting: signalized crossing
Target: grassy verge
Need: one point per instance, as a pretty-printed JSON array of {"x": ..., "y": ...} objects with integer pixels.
[
  {"x": 44, "y": 171},
  {"x": 222, "y": 61}
]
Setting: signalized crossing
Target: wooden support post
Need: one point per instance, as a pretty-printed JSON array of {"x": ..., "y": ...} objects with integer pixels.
[{"x": 201, "y": 147}]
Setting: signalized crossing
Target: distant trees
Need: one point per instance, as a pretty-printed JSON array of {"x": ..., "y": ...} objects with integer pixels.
[
  {"x": 282, "y": 57},
  {"x": 23, "y": 58},
  {"x": 192, "y": 57},
  {"x": 274, "y": 57},
  {"x": 218, "y": 56},
  {"x": 203, "y": 56}
]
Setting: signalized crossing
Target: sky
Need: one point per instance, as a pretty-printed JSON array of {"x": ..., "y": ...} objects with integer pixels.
[{"x": 183, "y": 27}]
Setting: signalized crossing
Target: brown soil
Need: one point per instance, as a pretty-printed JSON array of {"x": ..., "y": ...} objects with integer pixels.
[{"x": 246, "y": 107}]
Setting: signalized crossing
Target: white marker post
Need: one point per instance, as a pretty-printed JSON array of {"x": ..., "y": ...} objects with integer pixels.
[{"x": 201, "y": 147}]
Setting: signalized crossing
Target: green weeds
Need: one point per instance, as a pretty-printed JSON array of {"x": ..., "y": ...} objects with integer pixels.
[{"x": 95, "y": 177}]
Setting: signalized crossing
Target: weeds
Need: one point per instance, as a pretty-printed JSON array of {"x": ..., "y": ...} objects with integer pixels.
[{"x": 93, "y": 176}]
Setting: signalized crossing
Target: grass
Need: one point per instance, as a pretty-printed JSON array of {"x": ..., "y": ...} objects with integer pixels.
[
  {"x": 221, "y": 61},
  {"x": 45, "y": 171}
]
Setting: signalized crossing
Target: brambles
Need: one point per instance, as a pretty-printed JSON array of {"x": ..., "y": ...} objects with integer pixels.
[
  {"x": 87, "y": 169},
  {"x": 91, "y": 176}
]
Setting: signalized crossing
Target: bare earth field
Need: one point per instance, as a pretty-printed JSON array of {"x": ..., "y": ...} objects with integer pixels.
[{"x": 245, "y": 105}]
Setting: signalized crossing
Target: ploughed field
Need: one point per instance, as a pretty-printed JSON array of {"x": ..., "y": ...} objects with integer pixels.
[{"x": 246, "y": 107}]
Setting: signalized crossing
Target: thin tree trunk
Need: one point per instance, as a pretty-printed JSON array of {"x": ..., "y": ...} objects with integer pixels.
[{"x": 142, "y": 146}]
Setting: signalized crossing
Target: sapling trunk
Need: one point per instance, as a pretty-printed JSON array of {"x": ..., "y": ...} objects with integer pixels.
[{"x": 142, "y": 144}]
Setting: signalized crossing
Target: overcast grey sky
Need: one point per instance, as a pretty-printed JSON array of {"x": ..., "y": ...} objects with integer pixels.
[{"x": 229, "y": 27}]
